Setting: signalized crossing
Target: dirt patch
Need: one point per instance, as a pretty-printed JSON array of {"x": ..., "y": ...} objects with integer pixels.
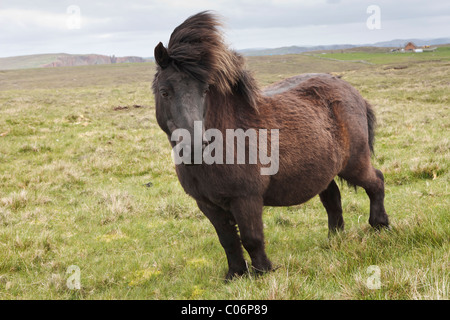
[
  {"x": 136, "y": 106},
  {"x": 396, "y": 67}
]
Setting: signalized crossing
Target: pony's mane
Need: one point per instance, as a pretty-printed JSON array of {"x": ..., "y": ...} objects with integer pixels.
[{"x": 196, "y": 47}]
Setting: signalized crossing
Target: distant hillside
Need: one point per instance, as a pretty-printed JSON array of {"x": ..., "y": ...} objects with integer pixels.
[
  {"x": 292, "y": 50},
  {"x": 417, "y": 42},
  {"x": 297, "y": 49},
  {"x": 62, "y": 60}
]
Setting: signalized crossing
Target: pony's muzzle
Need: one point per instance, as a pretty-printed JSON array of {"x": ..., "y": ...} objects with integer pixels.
[
  {"x": 193, "y": 153},
  {"x": 189, "y": 145}
]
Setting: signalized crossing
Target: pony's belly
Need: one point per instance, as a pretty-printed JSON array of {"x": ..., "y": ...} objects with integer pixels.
[
  {"x": 288, "y": 197},
  {"x": 293, "y": 191},
  {"x": 219, "y": 183}
]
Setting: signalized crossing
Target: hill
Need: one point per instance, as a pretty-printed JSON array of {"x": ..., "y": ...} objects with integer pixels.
[
  {"x": 66, "y": 60},
  {"x": 62, "y": 60},
  {"x": 300, "y": 49},
  {"x": 417, "y": 42},
  {"x": 292, "y": 50}
]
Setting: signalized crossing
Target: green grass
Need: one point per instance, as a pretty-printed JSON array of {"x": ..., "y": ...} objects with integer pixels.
[
  {"x": 270, "y": 69},
  {"x": 441, "y": 54},
  {"x": 74, "y": 169}
]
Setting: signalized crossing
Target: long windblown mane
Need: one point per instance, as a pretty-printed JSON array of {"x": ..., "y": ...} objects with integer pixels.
[{"x": 197, "y": 48}]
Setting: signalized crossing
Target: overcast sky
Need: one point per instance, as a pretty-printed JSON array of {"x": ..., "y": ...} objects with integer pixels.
[{"x": 132, "y": 27}]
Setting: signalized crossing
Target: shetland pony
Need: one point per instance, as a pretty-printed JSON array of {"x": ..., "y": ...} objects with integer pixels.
[{"x": 326, "y": 130}]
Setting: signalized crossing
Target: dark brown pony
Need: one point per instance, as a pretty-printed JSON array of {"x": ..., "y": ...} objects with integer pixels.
[{"x": 326, "y": 129}]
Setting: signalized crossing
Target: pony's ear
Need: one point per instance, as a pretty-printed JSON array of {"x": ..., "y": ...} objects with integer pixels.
[{"x": 161, "y": 56}]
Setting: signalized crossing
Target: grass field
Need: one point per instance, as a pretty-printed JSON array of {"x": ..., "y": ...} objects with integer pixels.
[
  {"x": 440, "y": 54},
  {"x": 86, "y": 180}
]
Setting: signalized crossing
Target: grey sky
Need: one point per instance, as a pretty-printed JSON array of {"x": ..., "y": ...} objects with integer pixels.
[{"x": 134, "y": 27}]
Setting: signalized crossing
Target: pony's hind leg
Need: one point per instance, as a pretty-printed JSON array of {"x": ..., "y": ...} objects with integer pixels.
[
  {"x": 331, "y": 200},
  {"x": 375, "y": 190},
  {"x": 363, "y": 174}
]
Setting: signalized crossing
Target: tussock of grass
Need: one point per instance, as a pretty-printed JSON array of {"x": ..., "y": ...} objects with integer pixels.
[{"x": 177, "y": 208}]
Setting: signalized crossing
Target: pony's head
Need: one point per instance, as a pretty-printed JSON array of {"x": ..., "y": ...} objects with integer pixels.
[
  {"x": 197, "y": 63},
  {"x": 180, "y": 97}
]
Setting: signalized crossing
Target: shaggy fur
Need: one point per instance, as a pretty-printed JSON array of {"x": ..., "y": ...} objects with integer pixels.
[
  {"x": 326, "y": 129},
  {"x": 196, "y": 47}
]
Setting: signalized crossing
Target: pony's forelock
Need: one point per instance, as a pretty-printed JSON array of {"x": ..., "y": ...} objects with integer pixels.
[{"x": 197, "y": 48}]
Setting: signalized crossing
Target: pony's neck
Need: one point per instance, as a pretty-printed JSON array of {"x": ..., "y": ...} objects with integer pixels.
[{"x": 229, "y": 111}]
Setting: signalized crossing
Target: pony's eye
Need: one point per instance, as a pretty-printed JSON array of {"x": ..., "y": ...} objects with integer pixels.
[
  {"x": 164, "y": 93},
  {"x": 206, "y": 90}
]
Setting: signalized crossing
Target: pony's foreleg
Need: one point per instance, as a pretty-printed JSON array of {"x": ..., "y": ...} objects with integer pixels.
[
  {"x": 331, "y": 200},
  {"x": 225, "y": 226},
  {"x": 248, "y": 215}
]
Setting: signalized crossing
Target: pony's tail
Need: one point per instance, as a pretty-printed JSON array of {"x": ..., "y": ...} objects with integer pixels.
[{"x": 371, "y": 124}]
